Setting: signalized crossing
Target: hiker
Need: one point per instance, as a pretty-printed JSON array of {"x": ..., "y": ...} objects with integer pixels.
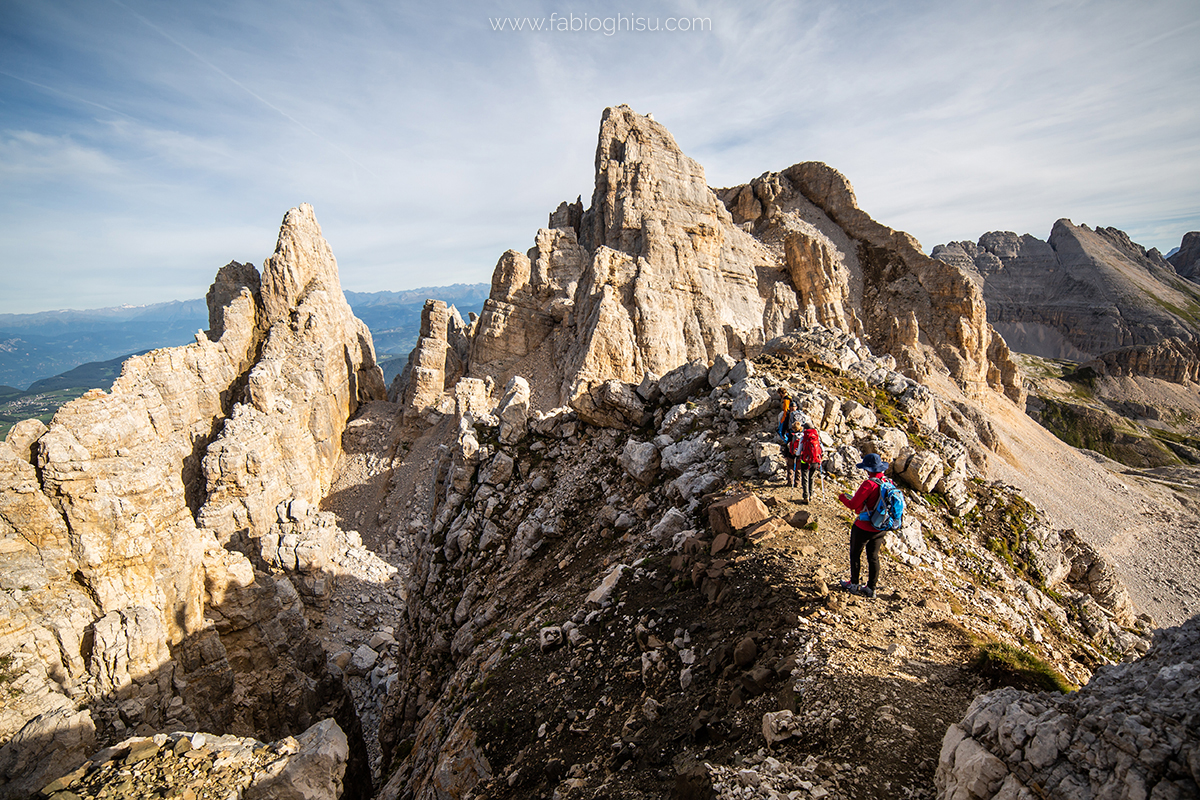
[
  {"x": 864, "y": 534},
  {"x": 791, "y": 454},
  {"x": 785, "y": 419},
  {"x": 808, "y": 458}
]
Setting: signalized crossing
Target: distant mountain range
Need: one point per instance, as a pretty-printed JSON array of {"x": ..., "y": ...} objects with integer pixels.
[
  {"x": 395, "y": 317},
  {"x": 1084, "y": 292},
  {"x": 46, "y": 344},
  {"x": 52, "y": 357}
]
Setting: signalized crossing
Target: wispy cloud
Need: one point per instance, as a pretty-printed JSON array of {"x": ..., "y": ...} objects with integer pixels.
[
  {"x": 28, "y": 156},
  {"x": 154, "y": 143}
]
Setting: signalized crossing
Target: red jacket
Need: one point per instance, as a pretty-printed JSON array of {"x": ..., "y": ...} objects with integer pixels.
[{"x": 864, "y": 500}]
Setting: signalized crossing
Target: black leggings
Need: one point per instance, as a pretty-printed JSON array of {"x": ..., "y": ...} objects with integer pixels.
[{"x": 872, "y": 541}]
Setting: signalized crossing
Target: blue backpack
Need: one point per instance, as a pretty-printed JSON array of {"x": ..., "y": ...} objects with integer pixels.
[
  {"x": 889, "y": 511},
  {"x": 784, "y": 428}
]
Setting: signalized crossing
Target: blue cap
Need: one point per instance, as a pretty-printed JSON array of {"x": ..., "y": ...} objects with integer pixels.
[{"x": 872, "y": 463}]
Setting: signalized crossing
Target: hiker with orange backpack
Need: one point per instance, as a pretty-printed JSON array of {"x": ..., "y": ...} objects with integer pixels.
[{"x": 791, "y": 422}]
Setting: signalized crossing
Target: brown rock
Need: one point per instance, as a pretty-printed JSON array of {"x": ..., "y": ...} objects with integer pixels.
[
  {"x": 731, "y": 514},
  {"x": 799, "y": 519},
  {"x": 767, "y": 529},
  {"x": 936, "y": 606},
  {"x": 745, "y": 652}
]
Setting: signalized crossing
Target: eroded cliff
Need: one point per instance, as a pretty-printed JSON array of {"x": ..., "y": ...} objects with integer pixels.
[
  {"x": 658, "y": 272},
  {"x": 122, "y": 610},
  {"x": 1080, "y": 294}
]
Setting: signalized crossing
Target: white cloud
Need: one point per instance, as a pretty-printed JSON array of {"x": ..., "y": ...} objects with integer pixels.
[
  {"x": 429, "y": 143},
  {"x": 29, "y": 156}
]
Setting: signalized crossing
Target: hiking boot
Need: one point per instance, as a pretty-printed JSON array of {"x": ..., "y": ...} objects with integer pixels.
[
  {"x": 852, "y": 588},
  {"x": 866, "y": 591}
]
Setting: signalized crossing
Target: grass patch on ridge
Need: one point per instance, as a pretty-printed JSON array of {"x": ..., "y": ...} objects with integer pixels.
[{"x": 1008, "y": 665}]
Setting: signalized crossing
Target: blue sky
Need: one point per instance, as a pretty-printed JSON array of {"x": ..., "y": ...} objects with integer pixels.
[{"x": 145, "y": 143}]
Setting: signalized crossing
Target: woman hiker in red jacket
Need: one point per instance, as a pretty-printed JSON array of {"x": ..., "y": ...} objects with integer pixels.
[{"x": 863, "y": 534}]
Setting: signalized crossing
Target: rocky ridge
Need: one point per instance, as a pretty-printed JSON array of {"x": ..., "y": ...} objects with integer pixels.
[
  {"x": 121, "y": 610},
  {"x": 1080, "y": 294},
  {"x": 654, "y": 639},
  {"x": 1187, "y": 260},
  {"x": 517, "y": 582},
  {"x": 1101, "y": 741},
  {"x": 658, "y": 272}
]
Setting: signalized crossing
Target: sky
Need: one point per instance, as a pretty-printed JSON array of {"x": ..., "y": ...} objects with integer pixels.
[{"x": 145, "y": 143}]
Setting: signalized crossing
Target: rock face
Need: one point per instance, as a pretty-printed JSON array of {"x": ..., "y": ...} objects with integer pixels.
[
  {"x": 862, "y": 277},
  {"x": 317, "y": 364},
  {"x": 1172, "y": 359},
  {"x": 120, "y": 608},
  {"x": 1080, "y": 294},
  {"x": 1187, "y": 261},
  {"x": 660, "y": 271},
  {"x": 1130, "y": 733}
]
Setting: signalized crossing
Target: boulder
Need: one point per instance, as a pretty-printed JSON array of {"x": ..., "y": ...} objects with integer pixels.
[
  {"x": 611, "y": 404},
  {"x": 602, "y": 594},
  {"x": 550, "y": 638},
  {"x": 513, "y": 410},
  {"x": 768, "y": 456},
  {"x": 887, "y": 442},
  {"x": 733, "y": 513},
  {"x": 559, "y": 423},
  {"x": 681, "y": 455},
  {"x": 858, "y": 415},
  {"x": 779, "y": 726},
  {"x": 751, "y": 399},
  {"x": 920, "y": 470},
  {"x": 684, "y": 381},
  {"x": 22, "y": 435},
  {"x": 719, "y": 370},
  {"x": 313, "y": 772},
  {"x": 672, "y": 523},
  {"x": 641, "y": 460},
  {"x": 741, "y": 371}
]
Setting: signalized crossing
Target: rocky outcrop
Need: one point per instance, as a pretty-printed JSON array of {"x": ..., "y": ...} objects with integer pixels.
[
  {"x": 652, "y": 276},
  {"x": 1186, "y": 260},
  {"x": 435, "y": 364},
  {"x": 120, "y": 610},
  {"x": 659, "y": 272},
  {"x": 1130, "y": 733},
  {"x": 1171, "y": 360},
  {"x": 315, "y": 367},
  {"x": 310, "y": 766},
  {"x": 1080, "y": 294},
  {"x": 856, "y": 275}
]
